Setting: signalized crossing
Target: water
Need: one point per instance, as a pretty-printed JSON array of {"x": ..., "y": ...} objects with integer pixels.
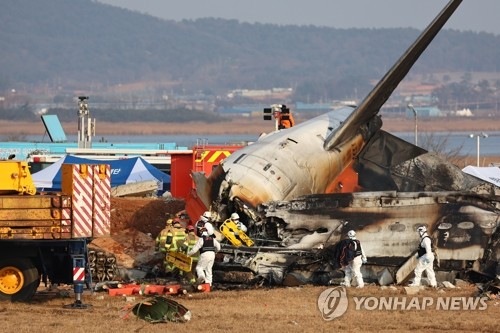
[{"x": 489, "y": 146}]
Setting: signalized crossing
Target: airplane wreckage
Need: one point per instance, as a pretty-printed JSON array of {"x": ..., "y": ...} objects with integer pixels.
[{"x": 300, "y": 190}]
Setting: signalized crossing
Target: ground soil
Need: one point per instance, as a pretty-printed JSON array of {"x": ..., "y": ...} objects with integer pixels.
[{"x": 290, "y": 309}]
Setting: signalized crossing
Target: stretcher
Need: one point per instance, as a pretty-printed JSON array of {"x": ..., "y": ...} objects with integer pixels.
[
  {"x": 229, "y": 228},
  {"x": 180, "y": 260}
]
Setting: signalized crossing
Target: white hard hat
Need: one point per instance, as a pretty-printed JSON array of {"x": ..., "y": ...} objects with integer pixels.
[
  {"x": 235, "y": 216},
  {"x": 422, "y": 229},
  {"x": 207, "y": 214},
  {"x": 351, "y": 234}
]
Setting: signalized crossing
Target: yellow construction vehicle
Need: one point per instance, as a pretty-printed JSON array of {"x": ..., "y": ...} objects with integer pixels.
[{"x": 44, "y": 236}]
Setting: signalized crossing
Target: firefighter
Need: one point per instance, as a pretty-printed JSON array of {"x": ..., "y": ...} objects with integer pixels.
[
  {"x": 283, "y": 115},
  {"x": 178, "y": 236},
  {"x": 207, "y": 245},
  {"x": 353, "y": 268},
  {"x": 183, "y": 218},
  {"x": 425, "y": 257},
  {"x": 164, "y": 238},
  {"x": 189, "y": 243}
]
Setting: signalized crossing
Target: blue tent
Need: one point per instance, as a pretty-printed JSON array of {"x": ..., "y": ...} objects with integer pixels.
[{"x": 124, "y": 171}]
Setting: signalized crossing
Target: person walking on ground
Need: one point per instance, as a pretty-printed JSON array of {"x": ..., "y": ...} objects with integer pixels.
[
  {"x": 208, "y": 246},
  {"x": 353, "y": 268},
  {"x": 425, "y": 259}
]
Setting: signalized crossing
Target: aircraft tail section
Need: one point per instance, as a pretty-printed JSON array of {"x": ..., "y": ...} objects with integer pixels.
[{"x": 371, "y": 105}]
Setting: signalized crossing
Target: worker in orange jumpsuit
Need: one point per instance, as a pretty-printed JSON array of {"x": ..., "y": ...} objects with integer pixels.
[{"x": 284, "y": 117}]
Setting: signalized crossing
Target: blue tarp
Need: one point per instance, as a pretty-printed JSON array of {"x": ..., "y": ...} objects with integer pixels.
[{"x": 124, "y": 171}]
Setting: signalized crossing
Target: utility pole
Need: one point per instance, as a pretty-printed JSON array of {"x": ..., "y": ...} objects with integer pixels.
[
  {"x": 478, "y": 138},
  {"x": 410, "y": 106}
]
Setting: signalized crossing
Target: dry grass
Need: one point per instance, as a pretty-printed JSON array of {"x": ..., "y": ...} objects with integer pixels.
[
  {"x": 251, "y": 125},
  {"x": 260, "y": 310}
]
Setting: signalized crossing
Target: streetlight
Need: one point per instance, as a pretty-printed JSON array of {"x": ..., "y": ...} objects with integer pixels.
[
  {"x": 478, "y": 137},
  {"x": 410, "y": 106}
]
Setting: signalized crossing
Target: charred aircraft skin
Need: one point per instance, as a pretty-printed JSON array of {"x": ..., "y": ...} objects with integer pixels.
[
  {"x": 463, "y": 224},
  {"x": 283, "y": 187}
]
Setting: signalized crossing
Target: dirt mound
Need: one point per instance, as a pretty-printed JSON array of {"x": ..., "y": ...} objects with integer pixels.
[
  {"x": 147, "y": 215},
  {"x": 135, "y": 223}
]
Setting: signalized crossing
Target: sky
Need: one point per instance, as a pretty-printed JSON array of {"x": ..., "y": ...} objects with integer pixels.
[{"x": 471, "y": 15}]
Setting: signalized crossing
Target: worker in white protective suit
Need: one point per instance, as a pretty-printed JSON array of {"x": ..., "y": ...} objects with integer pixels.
[
  {"x": 236, "y": 219},
  {"x": 353, "y": 269},
  {"x": 425, "y": 259},
  {"x": 208, "y": 246},
  {"x": 205, "y": 221}
]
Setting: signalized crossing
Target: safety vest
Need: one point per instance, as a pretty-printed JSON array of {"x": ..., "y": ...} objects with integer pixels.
[
  {"x": 421, "y": 249},
  {"x": 177, "y": 239},
  {"x": 208, "y": 244},
  {"x": 286, "y": 121},
  {"x": 357, "y": 247},
  {"x": 190, "y": 242},
  {"x": 164, "y": 239}
]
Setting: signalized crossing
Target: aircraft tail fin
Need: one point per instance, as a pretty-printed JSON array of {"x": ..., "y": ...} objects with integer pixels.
[{"x": 371, "y": 105}]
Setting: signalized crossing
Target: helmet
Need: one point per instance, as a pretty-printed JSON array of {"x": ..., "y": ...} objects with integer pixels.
[
  {"x": 207, "y": 215},
  {"x": 235, "y": 217},
  {"x": 351, "y": 234},
  {"x": 422, "y": 229},
  {"x": 190, "y": 228},
  {"x": 177, "y": 223}
]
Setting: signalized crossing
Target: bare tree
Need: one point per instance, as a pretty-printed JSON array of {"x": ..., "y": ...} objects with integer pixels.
[{"x": 440, "y": 145}]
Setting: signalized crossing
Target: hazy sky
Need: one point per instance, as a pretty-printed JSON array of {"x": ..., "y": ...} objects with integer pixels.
[{"x": 475, "y": 15}]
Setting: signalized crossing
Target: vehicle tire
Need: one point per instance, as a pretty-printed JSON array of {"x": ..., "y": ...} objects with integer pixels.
[{"x": 19, "y": 279}]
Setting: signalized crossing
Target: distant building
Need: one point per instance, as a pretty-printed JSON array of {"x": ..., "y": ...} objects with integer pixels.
[{"x": 424, "y": 112}]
